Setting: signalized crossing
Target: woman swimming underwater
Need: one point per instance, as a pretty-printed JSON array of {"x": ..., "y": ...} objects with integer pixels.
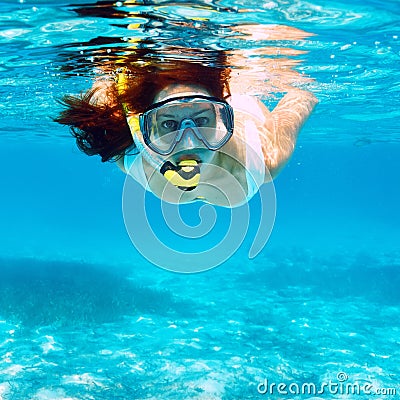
[{"x": 179, "y": 127}]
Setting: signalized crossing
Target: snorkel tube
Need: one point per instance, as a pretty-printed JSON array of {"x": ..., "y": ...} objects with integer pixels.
[{"x": 185, "y": 175}]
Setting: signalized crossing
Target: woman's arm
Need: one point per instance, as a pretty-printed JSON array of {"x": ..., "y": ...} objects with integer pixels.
[
  {"x": 103, "y": 92},
  {"x": 279, "y": 138}
]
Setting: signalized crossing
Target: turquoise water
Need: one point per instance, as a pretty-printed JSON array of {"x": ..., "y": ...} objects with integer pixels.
[{"x": 84, "y": 316}]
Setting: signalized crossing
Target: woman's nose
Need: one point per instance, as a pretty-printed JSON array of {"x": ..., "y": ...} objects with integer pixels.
[{"x": 189, "y": 139}]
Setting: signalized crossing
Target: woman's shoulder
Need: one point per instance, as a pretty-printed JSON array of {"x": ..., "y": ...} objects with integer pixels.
[{"x": 250, "y": 105}]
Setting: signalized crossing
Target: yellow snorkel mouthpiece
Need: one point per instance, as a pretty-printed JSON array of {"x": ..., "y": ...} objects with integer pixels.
[{"x": 185, "y": 175}]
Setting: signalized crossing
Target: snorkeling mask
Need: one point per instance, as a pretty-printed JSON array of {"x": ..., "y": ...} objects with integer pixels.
[{"x": 164, "y": 124}]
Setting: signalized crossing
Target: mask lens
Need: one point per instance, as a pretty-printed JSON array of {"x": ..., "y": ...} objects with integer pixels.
[
  {"x": 162, "y": 126},
  {"x": 214, "y": 137}
]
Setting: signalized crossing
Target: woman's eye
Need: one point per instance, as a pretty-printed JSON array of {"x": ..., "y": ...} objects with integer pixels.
[
  {"x": 169, "y": 124},
  {"x": 202, "y": 121}
]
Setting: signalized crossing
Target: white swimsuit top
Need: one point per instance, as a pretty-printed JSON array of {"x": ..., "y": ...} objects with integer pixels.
[{"x": 255, "y": 165}]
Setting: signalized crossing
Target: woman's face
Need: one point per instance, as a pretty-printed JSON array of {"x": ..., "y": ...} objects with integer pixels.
[{"x": 182, "y": 118}]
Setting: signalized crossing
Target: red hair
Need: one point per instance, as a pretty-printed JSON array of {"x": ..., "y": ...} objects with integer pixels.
[
  {"x": 102, "y": 128},
  {"x": 144, "y": 83}
]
